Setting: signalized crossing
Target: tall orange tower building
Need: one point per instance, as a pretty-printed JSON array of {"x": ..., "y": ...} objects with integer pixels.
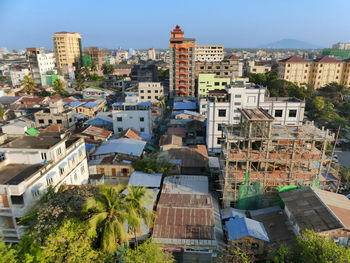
[{"x": 181, "y": 72}]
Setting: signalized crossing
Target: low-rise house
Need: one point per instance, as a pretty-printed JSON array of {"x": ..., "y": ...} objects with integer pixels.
[
  {"x": 246, "y": 234},
  {"x": 150, "y": 91},
  {"x": 56, "y": 114},
  {"x": 31, "y": 164},
  {"x": 96, "y": 92},
  {"x": 96, "y": 133},
  {"x": 91, "y": 108},
  {"x": 186, "y": 221},
  {"x": 103, "y": 120},
  {"x": 184, "y": 105},
  {"x": 186, "y": 114},
  {"x": 17, "y": 127},
  {"x": 167, "y": 142},
  {"x": 325, "y": 212}
]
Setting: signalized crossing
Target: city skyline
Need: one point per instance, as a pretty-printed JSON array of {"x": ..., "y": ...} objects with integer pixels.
[{"x": 110, "y": 25}]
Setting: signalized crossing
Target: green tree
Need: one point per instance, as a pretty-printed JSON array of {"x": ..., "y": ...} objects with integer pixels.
[
  {"x": 28, "y": 83},
  {"x": 59, "y": 87},
  {"x": 234, "y": 255},
  {"x": 93, "y": 66},
  {"x": 147, "y": 252},
  {"x": 163, "y": 74},
  {"x": 152, "y": 164},
  {"x": 69, "y": 243},
  {"x": 107, "y": 69},
  {"x": 137, "y": 200},
  {"x": 259, "y": 79},
  {"x": 107, "y": 214},
  {"x": 313, "y": 248},
  {"x": 318, "y": 104},
  {"x": 7, "y": 253}
]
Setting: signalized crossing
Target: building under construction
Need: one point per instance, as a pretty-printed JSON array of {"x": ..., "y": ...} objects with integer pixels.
[{"x": 258, "y": 157}]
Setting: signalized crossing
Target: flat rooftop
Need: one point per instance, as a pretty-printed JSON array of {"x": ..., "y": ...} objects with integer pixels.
[
  {"x": 41, "y": 141},
  {"x": 15, "y": 173},
  {"x": 282, "y": 99}
]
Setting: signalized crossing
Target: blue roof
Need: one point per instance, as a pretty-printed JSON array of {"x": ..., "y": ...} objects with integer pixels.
[
  {"x": 122, "y": 145},
  {"x": 75, "y": 103},
  {"x": 143, "y": 179},
  {"x": 175, "y": 161},
  {"x": 90, "y": 104},
  {"x": 81, "y": 117},
  {"x": 146, "y": 103},
  {"x": 193, "y": 113},
  {"x": 89, "y": 146},
  {"x": 243, "y": 227},
  {"x": 187, "y": 105},
  {"x": 117, "y": 104},
  {"x": 145, "y": 136}
]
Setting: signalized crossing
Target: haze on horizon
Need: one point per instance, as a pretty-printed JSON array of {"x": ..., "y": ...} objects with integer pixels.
[{"x": 144, "y": 24}]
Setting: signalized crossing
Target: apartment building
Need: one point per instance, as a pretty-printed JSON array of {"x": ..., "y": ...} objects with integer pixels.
[
  {"x": 208, "y": 82},
  {"x": 182, "y": 62},
  {"x": 31, "y": 165},
  {"x": 136, "y": 115},
  {"x": 340, "y": 45},
  {"x": 92, "y": 108},
  {"x": 56, "y": 114},
  {"x": 209, "y": 53},
  {"x": 152, "y": 54},
  {"x": 68, "y": 50},
  {"x": 40, "y": 62},
  {"x": 150, "y": 91},
  {"x": 227, "y": 68},
  {"x": 318, "y": 72},
  {"x": 258, "y": 67},
  {"x": 99, "y": 56},
  {"x": 144, "y": 73},
  {"x": 224, "y": 107},
  {"x": 17, "y": 74}
]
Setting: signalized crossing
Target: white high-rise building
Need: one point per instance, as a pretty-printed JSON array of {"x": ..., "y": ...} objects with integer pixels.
[
  {"x": 223, "y": 107},
  {"x": 152, "y": 54},
  {"x": 40, "y": 62},
  {"x": 30, "y": 165},
  {"x": 209, "y": 53}
]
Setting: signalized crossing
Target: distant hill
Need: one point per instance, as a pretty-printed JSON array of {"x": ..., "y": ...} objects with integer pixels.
[{"x": 290, "y": 44}]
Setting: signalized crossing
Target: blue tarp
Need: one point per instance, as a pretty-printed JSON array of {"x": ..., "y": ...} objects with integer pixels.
[
  {"x": 243, "y": 227},
  {"x": 76, "y": 103},
  {"x": 117, "y": 104},
  {"x": 187, "y": 105},
  {"x": 145, "y": 136},
  {"x": 90, "y": 146},
  {"x": 232, "y": 213}
]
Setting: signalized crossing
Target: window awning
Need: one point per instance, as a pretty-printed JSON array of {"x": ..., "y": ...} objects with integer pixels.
[
  {"x": 37, "y": 187},
  {"x": 62, "y": 165},
  {"x": 50, "y": 175}
]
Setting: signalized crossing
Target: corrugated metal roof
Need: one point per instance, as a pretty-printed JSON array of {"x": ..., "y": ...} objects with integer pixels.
[
  {"x": 76, "y": 103},
  {"x": 138, "y": 178},
  {"x": 243, "y": 227},
  {"x": 184, "y": 105},
  {"x": 232, "y": 213},
  {"x": 192, "y": 113},
  {"x": 122, "y": 145},
  {"x": 90, "y": 104}
]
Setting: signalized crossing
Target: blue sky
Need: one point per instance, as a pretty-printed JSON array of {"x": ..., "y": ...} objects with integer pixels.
[{"x": 147, "y": 23}]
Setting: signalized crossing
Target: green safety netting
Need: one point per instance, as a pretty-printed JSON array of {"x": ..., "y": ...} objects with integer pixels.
[{"x": 249, "y": 195}]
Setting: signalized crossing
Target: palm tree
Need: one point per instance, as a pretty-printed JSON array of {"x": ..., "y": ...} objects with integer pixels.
[
  {"x": 28, "y": 83},
  {"x": 137, "y": 200},
  {"x": 93, "y": 66},
  {"x": 108, "y": 212}
]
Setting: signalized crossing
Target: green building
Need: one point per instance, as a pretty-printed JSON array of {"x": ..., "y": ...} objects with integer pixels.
[
  {"x": 207, "y": 82},
  {"x": 342, "y": 53},
  {"x": 48, "y": 79}
]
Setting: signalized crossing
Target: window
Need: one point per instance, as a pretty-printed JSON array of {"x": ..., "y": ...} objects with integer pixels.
[
  {"x": 219, "y": 140},
  {"x": 82, "y": 169},
  {"x": 217, "y": 67},
  {"x": 70, "y": 119},
  {"x": 220, "y": 127},
  {"x": 223, "y": 83},
  {"x": 75, "y": 176},
  {"x": 41, "y": 121},
  {"x": 237, "y": 104},
  {"x": 120, "y": 129},
  {"x": 236, "y": 111},
  {"x": 43, "y": 156},
  {"x": 59, "y": 121},
  {"x": 209, "y": 67},
  {"x": 142, "y": 91},
  {"x": 142, "y": 119},
  {"x": 201, "y": 67},
  {"x": 238, "y": 96},
  {"x": 292, "y": 113},
  {"x": 222, "y": 113},
  {"x": 149, "y": 97},
  {"x": 217, "y": 83},
  {"x": 36, "y": 193},
  {"x": 156, "y": 91},
  {"x": 142, "y": 97},
  {"x": 142, "y": 129},
  {"x": 50, "y": 121},
  {"x": 119, "y": 119},
  {"x": 204, "y": 106},
  {"x": 49, "y": 181},
  {"x": 148, "y": 91},
  {"x": 59, "y": 151},
  {"x": 236, "y": 118},
  {"x": 156, "y": 97},
  {"x": 61, "y": 171},
  {"x": 278, "y": 113}
]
